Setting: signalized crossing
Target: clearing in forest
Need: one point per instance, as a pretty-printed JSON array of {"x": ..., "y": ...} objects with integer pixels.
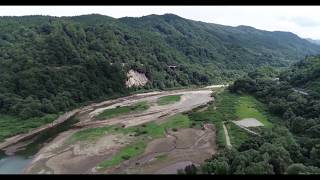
[{"x": 248, "y": 107}]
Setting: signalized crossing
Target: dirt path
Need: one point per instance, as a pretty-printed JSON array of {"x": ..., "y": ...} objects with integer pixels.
[{"x": 226, "y": 135}]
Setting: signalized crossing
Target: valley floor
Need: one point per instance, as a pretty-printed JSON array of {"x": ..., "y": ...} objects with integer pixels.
[
  {"x": 151, "y": 133},
  {"x": 146, "y": 141}
]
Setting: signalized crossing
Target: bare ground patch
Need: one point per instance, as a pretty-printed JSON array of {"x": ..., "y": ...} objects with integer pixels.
[
  {"x": 79, "y": 157},
  {"x": 249, "y": 122},
  {"x": 178, "y": 149}
]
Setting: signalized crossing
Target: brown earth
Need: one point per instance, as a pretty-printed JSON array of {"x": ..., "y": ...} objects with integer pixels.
[
  {"x": 178, "y": 149},
  {"x": 192, "y": 145}
]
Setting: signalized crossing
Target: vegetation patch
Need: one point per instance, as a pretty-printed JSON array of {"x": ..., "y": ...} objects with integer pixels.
[
  {"x": 110, "y": 113},
  {"x": 225, "y": 106},
  {"x": 142, "y": 133},
  {"x": 168, "y": 99},
  {"x": 222, "y": 109},
  {"x": 90, "y": 134},
  {"x": 150, "y": 131},
  {"x": 161, "y": 157},
  {"x": 236, "y": 134},
  {"x": 124, "y": 154},
  {"x": 10, "y": 125},
  {"x": 221, "y": 139},
  {"x": 247, "y": 107}
]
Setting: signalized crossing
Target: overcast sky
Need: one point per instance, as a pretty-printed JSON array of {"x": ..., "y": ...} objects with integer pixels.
[{"x": 301, "y": 20}]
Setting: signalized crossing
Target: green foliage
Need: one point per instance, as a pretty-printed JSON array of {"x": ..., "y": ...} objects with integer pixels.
[
  {"x": 110, "y": 113},
  {"x": 124, "y": 154},
  {"x": 178, "y": 121},
  {"x": 225, "y": 106},
  {"x": 305, "y": 74},
  {"x": 221, "y": 139},
  {"x": 90, "y": 134},
  {"x": 236, "y": 134},
  {"x": 53, "y": 64},
  {"x": 258, "y": 155},
  {"x": 151, "y": 130},
  {"x": 296, "y": 101},
  {"x": 11, "y": 125},
  {"x": 164, "y": 100},
  {"x": 248, "y": 107}
]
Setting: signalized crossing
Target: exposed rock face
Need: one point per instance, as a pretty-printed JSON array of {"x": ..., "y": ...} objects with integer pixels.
[{"x": 136, "y": 79}]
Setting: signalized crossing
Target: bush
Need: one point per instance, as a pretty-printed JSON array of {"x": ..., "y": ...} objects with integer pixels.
[{"x": 126, "y": 157}]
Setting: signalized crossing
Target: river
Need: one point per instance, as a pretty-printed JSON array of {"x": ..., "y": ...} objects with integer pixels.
[{"x": 15, "y": 164}]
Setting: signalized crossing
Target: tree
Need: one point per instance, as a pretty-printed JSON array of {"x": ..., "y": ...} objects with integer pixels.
[
  {"x": 315, "y": 155},
  {"x": 191, "y": 169},
  {"x": 297, "y": 168},
  {"x": 279, "y": 157},
  {"x": 259, "y": 168}
]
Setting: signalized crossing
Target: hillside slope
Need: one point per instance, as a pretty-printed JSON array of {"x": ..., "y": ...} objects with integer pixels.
[
  {"x": 50, "y": 64},
  {"x": 305, "y": 74},
  {"x": 295, "y": 99}
]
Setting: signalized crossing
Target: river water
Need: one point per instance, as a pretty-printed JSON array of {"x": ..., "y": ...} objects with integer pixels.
[{"x": 15, "y": 164}]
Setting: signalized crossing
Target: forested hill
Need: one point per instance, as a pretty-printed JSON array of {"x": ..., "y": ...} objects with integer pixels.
[
  {"x": 50, "y": 64},
  {"x": 239, "y": 47},
  {"x": 305, "y": 74},
  {"x": 292, "y": 145}
]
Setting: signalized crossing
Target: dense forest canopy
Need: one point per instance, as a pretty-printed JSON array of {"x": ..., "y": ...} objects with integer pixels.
[
  {"x": 292, "y": 146},
  {"x": 51, "y": 64}
]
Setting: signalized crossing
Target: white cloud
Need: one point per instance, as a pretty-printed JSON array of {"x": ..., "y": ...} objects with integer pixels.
[{"x": 301, "y": 20}]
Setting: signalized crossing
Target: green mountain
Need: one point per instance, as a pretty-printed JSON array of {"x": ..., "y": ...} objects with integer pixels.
[
  {"x": 315, "y": 41},
  {"x": 293, "y": 96},
  {"x": 305, "y": 74},
  {"x": 51, "y": 64}
]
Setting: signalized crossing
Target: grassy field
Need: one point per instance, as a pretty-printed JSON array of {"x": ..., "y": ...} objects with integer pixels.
[
  {"x": 125, "y": 153},
  {"x": 168, "y": 99},
  {"x": 229, "y": 107},
  {"x": 248, "y": 107},
  {"x": 222, "y": 109},
  {"x": 236, "y": 134},
  {"x": 110, "y": 113},
  {"x": 90, "y": 134},
  {"x": 221, "y": 140},
  {"x": 225, "y": 104},
  {"x": 10, "y": 125}
]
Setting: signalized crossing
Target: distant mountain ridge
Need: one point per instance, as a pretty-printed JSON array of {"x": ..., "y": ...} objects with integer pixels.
[
  {"x": 317, "y": 41},
  {"x": 51, "y": 64}
]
